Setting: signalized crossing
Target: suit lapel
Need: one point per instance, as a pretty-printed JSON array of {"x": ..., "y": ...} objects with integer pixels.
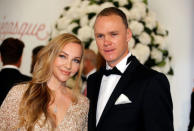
[
  {"x": 122, "y": 84},
  {"x": 95, "y": 95}
]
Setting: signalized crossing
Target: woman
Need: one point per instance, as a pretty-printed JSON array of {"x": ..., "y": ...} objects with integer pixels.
[{"x": 46, "y": 103}]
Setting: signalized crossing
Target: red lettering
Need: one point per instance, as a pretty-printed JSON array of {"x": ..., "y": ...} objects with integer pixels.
[{"x": 40, "y": 29}]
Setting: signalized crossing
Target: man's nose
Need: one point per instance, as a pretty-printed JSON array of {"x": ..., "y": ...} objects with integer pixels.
[{"x": 107, "y": 41}]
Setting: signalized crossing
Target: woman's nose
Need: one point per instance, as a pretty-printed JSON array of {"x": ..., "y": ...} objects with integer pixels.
[{"x": 68, "y": 64}]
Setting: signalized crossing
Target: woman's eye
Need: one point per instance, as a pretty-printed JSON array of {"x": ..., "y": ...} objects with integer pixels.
[
  {"x": 76, "y": 61},
  {"x": 62, "y": 56}
]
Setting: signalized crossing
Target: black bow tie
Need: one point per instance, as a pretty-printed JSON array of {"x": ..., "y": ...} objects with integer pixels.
[
  {"x": 114, "y": 70},
  {"x": 111, "y": 71}
]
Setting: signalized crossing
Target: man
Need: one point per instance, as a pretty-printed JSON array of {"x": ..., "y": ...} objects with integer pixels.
[
  {"x": 34, "y": 56},
  {"x": 133, "y": 98},
  {"x": 191, "y": 122},
  {"x": 89, "y": 67},
  {"x": 11, "y": 56}
]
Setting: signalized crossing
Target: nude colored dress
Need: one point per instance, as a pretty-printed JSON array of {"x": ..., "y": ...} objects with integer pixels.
[{"x": 75, "y": 118}]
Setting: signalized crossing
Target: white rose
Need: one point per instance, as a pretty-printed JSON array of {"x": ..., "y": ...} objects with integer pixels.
[
  {"x": 73, "y": 13},
  {"x": 92, "y": 21},
  {"x": 161, "y": 41},
  {"x": 144, "y": 38},
  {"x": 133, "y": 1},
  {"x": 122, "y": 2},
  {"x": 134, "y": 14},
  {"x": 84, "y": 21},
  {"x": 85, "y": 33},
  {"x": 136, "y": 27},
  {"x": 150, "y": 20},
  {"x": 141, "y": 7},
  {"x": 63, "y": 22},
  {"x": 55, "y": 32},
  {"x": 131, "y": 43},
  {"x": 92, "y": 8},
  {"x": 142, "y": 52},
  {"x": 93, "y": 46},
  {"x": 160, "y": 29},
  {"x": 84, "y": 4},
  {"x": 76, "y": 3},
  {"x": 71, "y": 27},
  {"x": 164, "y": 69},
  {"x": 106, "y": 5},
  {"x": 156, "y": 55},
  {"x": 157, "y": 68}
]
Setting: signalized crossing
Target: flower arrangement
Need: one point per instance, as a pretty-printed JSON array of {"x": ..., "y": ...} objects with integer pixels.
[{"x": 149, "y": 40}]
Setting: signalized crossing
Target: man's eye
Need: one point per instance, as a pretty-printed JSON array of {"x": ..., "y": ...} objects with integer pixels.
[
  {"x": 114, "y": 34},
  {"x": 76, "y": 61},
  {"x": 99, "y": 36}
]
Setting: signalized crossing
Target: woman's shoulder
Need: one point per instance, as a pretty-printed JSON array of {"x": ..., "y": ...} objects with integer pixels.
[
  {"x": 83, "y": 102},
  {"x": 83, "y": 99},
  {"x": 19, "y": 89}
]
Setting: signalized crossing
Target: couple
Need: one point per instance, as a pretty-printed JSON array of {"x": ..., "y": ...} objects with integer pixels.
[{"x": 124, "y": 95}]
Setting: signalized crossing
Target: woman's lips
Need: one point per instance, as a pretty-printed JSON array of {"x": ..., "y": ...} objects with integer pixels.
[{"x": 66, "y": 72}]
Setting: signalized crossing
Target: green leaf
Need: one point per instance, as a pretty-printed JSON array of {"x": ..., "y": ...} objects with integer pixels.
[
  {"x": 170, "y": 72},
  {"x": 116, "y": 4},
  {"x": 87, "y": 43},
  {"x": 145, "y": 1},
  {"x": 161, "y": 64},
  {"x": 91, "y": 15},
  {"x": 75, "y": 30}
]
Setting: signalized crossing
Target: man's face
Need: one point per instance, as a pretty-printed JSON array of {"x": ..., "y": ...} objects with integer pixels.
[{"x": 112, "y": 38}]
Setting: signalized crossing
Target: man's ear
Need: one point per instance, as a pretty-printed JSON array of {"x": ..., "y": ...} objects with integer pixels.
[{"x": 129, "y": 34}]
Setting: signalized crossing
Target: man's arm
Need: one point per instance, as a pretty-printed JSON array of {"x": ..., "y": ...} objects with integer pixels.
[{"x": 157, "y": 105}]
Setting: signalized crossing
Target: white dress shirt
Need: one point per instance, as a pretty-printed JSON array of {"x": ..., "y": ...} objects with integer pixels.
[{"x": 107, "y": 86}]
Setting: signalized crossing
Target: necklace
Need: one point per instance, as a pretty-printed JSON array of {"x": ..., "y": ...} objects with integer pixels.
[{"x": 55, "y": 109}]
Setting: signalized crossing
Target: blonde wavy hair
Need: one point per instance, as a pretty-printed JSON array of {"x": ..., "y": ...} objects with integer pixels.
[{"x": 37, "y": 97}]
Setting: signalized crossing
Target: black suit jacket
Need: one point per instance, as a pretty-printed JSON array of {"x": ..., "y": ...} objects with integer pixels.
[
  {"x": 191, "y": 122},
  {"x": 8, "y": 78},
  {"x": 151, "y": 107}
]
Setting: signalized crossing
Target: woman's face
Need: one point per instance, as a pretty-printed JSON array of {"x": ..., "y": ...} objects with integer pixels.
[{"x": 67, "y": 63}]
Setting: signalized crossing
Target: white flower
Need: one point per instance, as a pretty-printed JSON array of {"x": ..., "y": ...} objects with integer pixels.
[
  {"x": 106, "y": 5},
  {"x": 156, "y": 55},
  {"x": 144, "y": 38},
  {"x": 142, "y": 52},
  {"x": 62, "y": 23},
  {"x": 92, "y": 8},
  {"x": 157, "y": 68},
  {"x": 136, "y": 27},
  {"x": 139, "y": 18},
  {"x": 141, "y": 7},
  {"x": 93, "y": 46},
  {"x": 76, "y": 3},
  {"x": 131, "y": 43},
  {"x": 134, "y": 14},
  {"x": 160, "y": 29},
  {"x": 122, "y": 2},
  {"x": 85, "y": 33},
  {"x": 74, "y": 13},
  {"x": 164, "y": 69},
  {"x": 150, "y": 20},
  {"x": 84, "y": 21},
  {"x": 161, "y": 41},
  {"x": 71, "y": 27},
  {"x": 92, "y": 21}
]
